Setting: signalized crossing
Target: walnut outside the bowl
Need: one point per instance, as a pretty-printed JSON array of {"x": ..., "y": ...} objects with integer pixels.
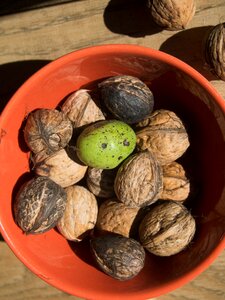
[
  {"x": 138, "y": 181},
  {"x": 176, "y": 186},
  {"x": 60, "y": 168},
  {"x": 47, "y": 131},
  {"x": 164, "y": 134},
  {"x": 172, "y": 14},
  {"x": 100, "y": 182},
  {"x": 114, "y": 216},
  {"x": 80, "y": 215},
  {"x": 167, "y": 229},
  {"x": 81, "y": 109},
  {"x": 120, "y": 257},
  {"x": 39, "y": 205}
]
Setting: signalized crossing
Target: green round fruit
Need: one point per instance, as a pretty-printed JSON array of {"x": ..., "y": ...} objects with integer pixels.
[{"x": 105, "y": 144}]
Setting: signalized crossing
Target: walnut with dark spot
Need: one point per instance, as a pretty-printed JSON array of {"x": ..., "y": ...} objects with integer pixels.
[
  {"x": 164, "y": 134},
  {"x": 167, "y": 228},
  {"x": 120, "y": 257},
  {"x": 47, "y": 131},
  {"x": 101, "y": 182},
  {"x": 39, "y": 205},
  {"x": 138, "y": 181}
]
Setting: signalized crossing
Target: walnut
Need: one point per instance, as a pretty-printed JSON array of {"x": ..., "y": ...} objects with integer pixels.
[
  {"x": 167, "y": 228},
  {"x": 61, "y": 168},
  {"x": 114, "y": 216},
  {"x": 139, "y": 180},
  {"x": 81, "y": 109},
  {"x": 120, "y": 257},
  {"x": 80, "y": 215},
  {"x": 172, "y": 14},
  {"x": 39, "y": 205},
  {"x": 100, "y": 182},
  {"x": 176, "y": 186},
  {"x": 47, "y": 131},
  {"x": 215, "y": 50},
  {"x": 164, "y": 134}
]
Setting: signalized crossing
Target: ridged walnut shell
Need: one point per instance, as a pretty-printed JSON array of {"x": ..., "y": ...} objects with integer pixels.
[
  {"x": 39, "y": 205},
  {"x": 80, "y": 214},
  {"x": 81, "y": 109},
  {"x": 172, "y": 14},
  {"x": 101, "y": 182},
  {"x": 167, "y": 229},
  {"x": 163, "y": 134},
  {"x": 127, "y": 98},
  {"x": 61, "y": 168},
  {"x": 114, "y": 216},
  {"x": 176, "y": 186},
  {"x": 215, "y": 50},
  {"x": 47, "y": 131},
  {"x": 138, "y": 181},
  {"x": 120, "y": 257}
]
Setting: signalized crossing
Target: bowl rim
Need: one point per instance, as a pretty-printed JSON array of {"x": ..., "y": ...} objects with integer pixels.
[{"x": 126, "y": 49}]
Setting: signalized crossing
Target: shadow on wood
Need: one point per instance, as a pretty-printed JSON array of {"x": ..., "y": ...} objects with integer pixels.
[
  {"x": 14, "y": 74},
  {"x": 129, "y": 17},
  {"x": 188, "y": 45}
]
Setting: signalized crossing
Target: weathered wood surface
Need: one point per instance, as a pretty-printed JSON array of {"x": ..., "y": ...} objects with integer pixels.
[{"x": 28, "y": 40}]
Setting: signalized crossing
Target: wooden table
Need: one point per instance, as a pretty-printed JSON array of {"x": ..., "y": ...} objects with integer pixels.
[{"x": 30, "y": 39}]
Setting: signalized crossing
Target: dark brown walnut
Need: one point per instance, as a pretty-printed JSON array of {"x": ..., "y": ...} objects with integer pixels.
[
  {"x": 215, "y": 50},
  {"x": 167, "y": 229},
  {"x": 60, "y": 168},
  {"x": 81, "y": 109},
  {"x": 120, "y": 257},
  {"x": 114, "y": 216},
  {"x": 176, "y": 186},
  {"x": 172, "y": 14},
  {"x": 127, "y": 98},
  {"x": 164, "y": 134},
  {"x": 80, "y": 214},
  {"x": 39, "y": 205},
  {"x": 47, "y": 131},
  {"x": 101, "y": 182},
  {"x": 138, "y": 181}
]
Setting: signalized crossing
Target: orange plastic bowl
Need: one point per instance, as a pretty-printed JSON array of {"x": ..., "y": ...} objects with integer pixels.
[{"x": 176, "y": 86}]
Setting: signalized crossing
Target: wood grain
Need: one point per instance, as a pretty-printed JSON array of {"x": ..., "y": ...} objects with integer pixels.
[{"x": 29, "y": 40}]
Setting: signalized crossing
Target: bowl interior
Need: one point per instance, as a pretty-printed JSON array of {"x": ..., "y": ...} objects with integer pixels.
[{"x": 68, "y": 265}]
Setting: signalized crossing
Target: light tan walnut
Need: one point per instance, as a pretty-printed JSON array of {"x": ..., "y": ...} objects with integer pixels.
[
  {"x": 61, "y": 168},
  {"x": 172, "y": 14},
  {"x": 164, "y": 135},
  {"x": 80, "y": 215},
  {"x": 138, "y": 181},
  {"x": 81, "y": 109},
  {"x": 114, "y": 216},
  {"x": 176, "y": 186},
  {"x": 167, "y": 228},
  {"x": 215, "y": 50},
  {"x": 101, "y": 182}
]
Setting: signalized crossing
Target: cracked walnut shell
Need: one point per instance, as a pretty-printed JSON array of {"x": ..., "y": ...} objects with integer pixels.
[
  {"x": 167, "y": 228},
  {"x": 172, "y": 14},
  {"x": 80, "y": 214},
  {"x": 163, "y": 134},
  {"x": 114, "y": 216},
  {"x": 138, "y": 181},
  {"x": 176, "y": 186},
  {"x": 61, "y": 168},
  {"x": 81, "y": 109},
  {"x": 47, "y": 131}
]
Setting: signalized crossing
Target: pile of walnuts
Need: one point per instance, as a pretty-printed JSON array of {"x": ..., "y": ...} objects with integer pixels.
[{"x": 125, "y": 211}]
